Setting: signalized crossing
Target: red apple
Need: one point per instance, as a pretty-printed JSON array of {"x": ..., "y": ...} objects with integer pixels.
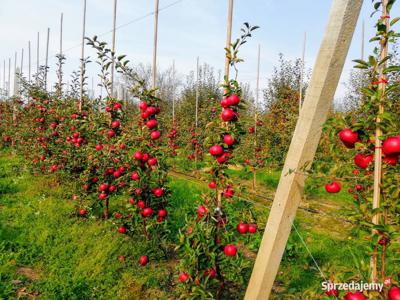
[
  {"x": 333, "y": 187},
  {"x": 225, "y": 103},
  {"x": 121, "y": 229},
  {"x": 135, "y": 176},
  {"x": 216, "y": 150},
  {"x": 211, "y": 272},
  {"x": 99, "y": 147},
  {"x": 252, "y": 228},
  {"x": 230, "y": 250},
  {"x": 348, "y": 137},
  {"x": 234, "y": 99},
  {"x": 162, "y": 213},
  {"x": 201, "y": 211},
  {"x": 142, "y": 105},
  {"x": 111, "y": 133},
  {"x": 391, "y": 146},
  {"x": 82, "y": 212},
  {"x": 151, "y": 123},
  {"x": 141, "y": 204},
  {"x": 229, "y": 140},
  {"x": 143, "y": 260},
  {"x": 183, "y": 277},
  {"x": 152, "y": 161},
  {"x": 363, "y": 161},
  {"x": 242, "y": 228},
  {"x": 354, "y": 296},
  {"x": 227, "y": 114},
  {"x": 155, "y": 135},
  {"x": 394, "y": 293},
  {"x": 391, "y": 159},
  {"x": 212, "y": 185},
  {"x": 138, "y": 155},
  {"x": 115, "y": 124},
  {"x": 147, "y": 212},
  {"x": 158, "y": 192}
]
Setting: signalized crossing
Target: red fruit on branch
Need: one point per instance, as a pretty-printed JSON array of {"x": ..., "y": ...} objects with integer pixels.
[
  {"x": 141, "y": 204},
  {"x": 230, "y": 250},
  {"x": 216, "y": 150},
  {"x": 391, "y": 146},
  {"x": 151, "y": 123},
  {"x": 201, "y": 211},
  {"x": 225, "y": 103},
  {"x": 155, "y": 135},
  {"x": 118, "y": 215},
  {"x": 147, "y": 212},
  {"x": 242, "y": 228},
  {"x": 102, "y": 196},
  {"x": 143, "y": 260},
  {"x": 108, "y": 109},
  {"x": 229, "y": 140},
  {"x": 359, "y": 187},
  {"x": 211, "y": 273},
  {"x": 252, "y": 228},
  {"x": 394, "y": 293},
  {"x": 115, "y": 124},
  {"x": 158, "y": 192},
  {"x": 333, "y": 187},
  {"x": 117, "y": 106},
  {"x": 234, "y": 99},
  {"x": 332, "y": 292},
  {"x": 183, "y": 277},
  {"x": 162, "y": 213},
  {"x": 111, "y": 133},
  {"x": 142, "y": 105},
  {"x": 251, "y": 130},
  {"x": 363, "y": 161},
  {"x": 348, "y": 137},
  {"x": 354, "y": 296},
  {"x": 82, "y": 212},
  {"x": 135, "y": 176},
  {"x": 103, "y": 187},
  {"x": 99, "y": 147},
  {"x": 145, "y": 157},
  {"x": 112, "y": 188},
  {"x": 227, "y": 114},
  {"x": 391, "y": 159},
  {"x": 138, "y": 155},
  {"x": 212, "y": 185},
  {"x": 152, "y": 161},
  {"x": 121, "y": 229}
]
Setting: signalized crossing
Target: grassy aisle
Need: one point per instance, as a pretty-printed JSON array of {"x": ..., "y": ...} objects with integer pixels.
[{"x": 46, "y": 251}]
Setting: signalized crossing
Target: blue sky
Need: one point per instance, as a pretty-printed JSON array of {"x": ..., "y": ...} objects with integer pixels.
[{"x": 187, "y": 29}]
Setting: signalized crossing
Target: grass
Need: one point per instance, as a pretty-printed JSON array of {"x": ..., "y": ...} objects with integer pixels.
[{"x": 46, "y": 252}]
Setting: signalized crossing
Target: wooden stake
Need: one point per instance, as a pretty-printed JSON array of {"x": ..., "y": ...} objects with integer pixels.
[
  {"x": 113, "y": 47},
  {"x": 4, "y": 78},
  {"x": 255, "y": 114},
  {"x": 61, "y": 53},
  {"x": 376, "y": 199},
  {"x": 37, "y": 53},
  {"x": 328, "y": 68},
  {"x": 47, "y": 57},
  {"x": 22, "y": 61},
  {"x": 80, "y": 104},
  {"x": 155, "y": 44},
  {"x": 173, "y": 93},
  {"x": 302, "y": 72},
  {"x": 362, "y": 39},
  {"x": 228, "y": 35},
  {"x": 9, "y": 78},
  {"x": 29, "y": 61},
  {"x": 15, "y": 73},
  {"x": 197, "y": 94}
]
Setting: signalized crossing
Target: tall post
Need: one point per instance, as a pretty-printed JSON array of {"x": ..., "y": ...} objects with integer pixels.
[
  {"x": 326, "y": 74},
  {"x": 82, "y": 57},
  {"x": 61, "y": 54},
  {"x": 15, "y": 73},
  {"x": 29, "y": 61},
  {"x": 22, "y": 61},
  {"x": 197, "y": 95},
  {"x": 9, "y": 78},
  {"x": 47, "y": 58},
  {"x": 376, "y": 199},
  {"x": 302, "y": 72},
  {"x": 173, "y": 93},
  {"x": 255, "y": 113},
  {"x": 4, "y": 78},
  {"x": 229, "y": 35},
  {"x": 362, "y": 39},
  {"x": 113, "y": 47},
  {"x": 155, "y": 44},
  {"x": 37, "y": 53}
]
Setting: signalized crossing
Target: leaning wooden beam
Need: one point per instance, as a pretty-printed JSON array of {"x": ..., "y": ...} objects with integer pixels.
[{"x": 327, "y": 70}]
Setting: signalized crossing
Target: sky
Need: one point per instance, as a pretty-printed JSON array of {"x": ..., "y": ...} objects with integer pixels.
[{"x": 187, "y": 29}]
